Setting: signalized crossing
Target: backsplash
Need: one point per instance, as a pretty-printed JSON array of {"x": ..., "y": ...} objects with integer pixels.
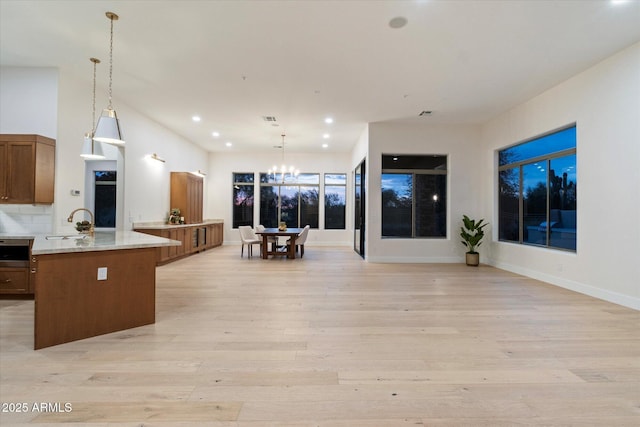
[{"x": 27, "y": 219}]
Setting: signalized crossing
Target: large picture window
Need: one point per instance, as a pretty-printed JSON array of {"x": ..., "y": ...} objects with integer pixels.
[
  {"x": 414, "y": 196},
  {"x": 290, "y": 199},
  {"x": 538, "y": 191},
  {"x": 335, "y": 201},
  {"x": 243, "y": 199}
]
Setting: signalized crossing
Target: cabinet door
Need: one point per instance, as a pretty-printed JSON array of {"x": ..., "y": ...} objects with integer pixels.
[
  {"x": 21, "y": 172},
  {"x": 3, "y": 170},
  {"x": 14, "y": 280}
]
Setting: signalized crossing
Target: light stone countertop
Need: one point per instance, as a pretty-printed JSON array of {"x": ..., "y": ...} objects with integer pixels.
[
  {"x": 101, "y": 241},
  {"x": 158, "y": 225}
]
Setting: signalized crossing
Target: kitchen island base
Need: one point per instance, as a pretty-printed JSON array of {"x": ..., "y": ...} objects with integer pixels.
[{"x": 72, "y": 304}]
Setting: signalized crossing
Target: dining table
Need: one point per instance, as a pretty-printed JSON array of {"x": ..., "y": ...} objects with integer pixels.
[{"x": 291, "y": 233}]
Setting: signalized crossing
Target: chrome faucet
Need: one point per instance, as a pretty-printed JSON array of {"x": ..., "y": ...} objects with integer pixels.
[{"x": 91, "y": 224}]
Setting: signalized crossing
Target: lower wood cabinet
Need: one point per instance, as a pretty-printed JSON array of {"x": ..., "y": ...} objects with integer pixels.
[
  {"x": 14, "y": 281},
  {"x": 195, "y": 238}
]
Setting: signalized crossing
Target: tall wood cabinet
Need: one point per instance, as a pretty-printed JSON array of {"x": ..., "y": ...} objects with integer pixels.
[
  {"x": 186, "y": 195},
  {"x": 27, "y": 169}
]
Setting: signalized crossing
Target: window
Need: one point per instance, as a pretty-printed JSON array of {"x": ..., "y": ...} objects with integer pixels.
[
  {"x": 335, "y": 197},
  {"x": 537, "y": 191},
  {"x": 290, "y": 199},
  {"x": 105, "y": 199},
  {"x": 242, "y": 199},
  {"x": 414, "y": 196}
]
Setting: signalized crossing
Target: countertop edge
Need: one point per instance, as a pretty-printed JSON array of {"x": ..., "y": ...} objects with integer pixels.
[{"x": 106, "y": 241}]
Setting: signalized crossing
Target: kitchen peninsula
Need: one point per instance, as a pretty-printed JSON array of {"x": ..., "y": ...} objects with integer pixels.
[{"x": 93, "y": 285}]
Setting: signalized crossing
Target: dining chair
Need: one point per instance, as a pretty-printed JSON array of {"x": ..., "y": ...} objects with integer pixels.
[
  {"x": 249, "y": 238},
  {"x": 301, "y": 239}
]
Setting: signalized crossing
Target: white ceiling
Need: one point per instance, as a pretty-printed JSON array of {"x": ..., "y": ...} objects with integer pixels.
[{"x": 233, "y": 62}]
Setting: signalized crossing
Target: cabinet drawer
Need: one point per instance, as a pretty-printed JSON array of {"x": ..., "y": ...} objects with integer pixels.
[{"x": 14, "y": 280}]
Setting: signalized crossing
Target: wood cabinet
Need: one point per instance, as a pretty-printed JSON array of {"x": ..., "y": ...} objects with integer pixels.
[
  {"x": 27, "y": 169},
  {"x": 195, "y": 238},
  {"x": 14, "y": 281},
  {"x": 186, "y": 195},
  {"x": 16, "y": 267},
  {"x": 71, "y": 303}
]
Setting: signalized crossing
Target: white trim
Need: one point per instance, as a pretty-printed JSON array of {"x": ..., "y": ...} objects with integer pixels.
[{"x": 609, "y": 296}]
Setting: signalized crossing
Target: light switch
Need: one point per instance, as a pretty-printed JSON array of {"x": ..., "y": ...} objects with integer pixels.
[{"x": 102, "y": 273}]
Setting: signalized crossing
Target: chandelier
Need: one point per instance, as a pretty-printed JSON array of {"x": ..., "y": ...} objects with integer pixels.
[
  {"x": 279, "y": 173},
  {"x": 92, "y": 149},
  {"x": 108, "y": 129}
]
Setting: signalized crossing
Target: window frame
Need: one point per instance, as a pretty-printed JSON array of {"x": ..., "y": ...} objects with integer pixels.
[
  {"x": 344, "y": 207},
  {"x": 414, "y": 172},
  {"x": 520, "y": 164}
]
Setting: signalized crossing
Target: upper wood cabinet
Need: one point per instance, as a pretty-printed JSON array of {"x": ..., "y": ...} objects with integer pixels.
[
  {"x": 27, "y": 169},
  {"x": 186, "y": 195}
]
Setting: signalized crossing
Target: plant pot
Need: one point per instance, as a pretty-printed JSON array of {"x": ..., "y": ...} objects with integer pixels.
[{"x": 473, "y": 259}]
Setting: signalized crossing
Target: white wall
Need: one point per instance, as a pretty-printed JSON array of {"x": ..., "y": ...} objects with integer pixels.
[
  {"x": 460, "y": 144},
  {"x": 29, "y": 101},
  {"x": 604, "y": 101},
  {"x": 223, "y": 165}
]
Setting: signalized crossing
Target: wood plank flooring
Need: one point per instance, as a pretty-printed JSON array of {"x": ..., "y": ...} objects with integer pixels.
[{"x": 333, "y": 341}]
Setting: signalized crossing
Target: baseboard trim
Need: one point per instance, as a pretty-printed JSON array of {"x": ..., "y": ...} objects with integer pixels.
[{"x": 592, "y": 291}]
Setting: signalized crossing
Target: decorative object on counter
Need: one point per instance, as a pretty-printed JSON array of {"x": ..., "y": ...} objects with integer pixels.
[
  {"x": 92, "y": 149},
  {"x": 85, "y": 227},
  {"x": 282, "y": 226},
  {"x": 174, "y": 217},
  {"x": 282, "y": 171},
  {"x": 108, "y": 129},
  {"x": 472, "y": 233}
]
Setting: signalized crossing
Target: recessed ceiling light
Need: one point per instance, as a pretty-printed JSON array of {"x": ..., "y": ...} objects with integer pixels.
[
  {"x": 616, "y": 2},
  {"x": 328, "y": 120},
  {"x": 326, "y": 136},
  {"x": 196, "y": 118},
  {"x": 325, "y": 145},
  {"x": 398, "y": 22},
  {"x": 215, "y": 134},
  {"x": 228, "y": 144}
]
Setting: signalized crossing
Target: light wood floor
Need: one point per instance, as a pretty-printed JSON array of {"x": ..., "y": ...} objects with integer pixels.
[{"x": 331, "y": 340}]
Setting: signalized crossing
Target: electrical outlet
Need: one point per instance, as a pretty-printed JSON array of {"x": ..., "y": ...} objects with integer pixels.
[{"x": 102, "y": 273}]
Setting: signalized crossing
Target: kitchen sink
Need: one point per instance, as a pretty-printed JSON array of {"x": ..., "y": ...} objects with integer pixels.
[{"x": 67, "y": 237}]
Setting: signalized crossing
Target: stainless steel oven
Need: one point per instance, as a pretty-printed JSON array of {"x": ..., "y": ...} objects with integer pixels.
[{"x": 14, "y": 253}]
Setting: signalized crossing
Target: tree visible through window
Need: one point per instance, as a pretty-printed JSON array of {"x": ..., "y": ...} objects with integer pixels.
[
  {"x": 290, "y": 199},
  {"x": 105, "y": 199},
  {"x": 243, "y": 199},
  {"x": 335, "y": 201},
  {"x": 537, "y": 194},
  {"x": 414, "y": 196}
]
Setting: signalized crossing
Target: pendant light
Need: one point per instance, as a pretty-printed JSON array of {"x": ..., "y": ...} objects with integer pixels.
[
  {"x": 108, "y": 129},
  {"x": 283, "y": 169},
  {"x": 92, "y": 149}
]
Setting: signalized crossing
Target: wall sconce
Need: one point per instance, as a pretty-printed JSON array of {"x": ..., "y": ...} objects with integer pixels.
[{"x": 154, "y": 156}]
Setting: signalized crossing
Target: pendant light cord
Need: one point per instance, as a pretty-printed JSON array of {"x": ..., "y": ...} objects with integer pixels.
[
  {"x": 110, "y": 61},
  {"x": 95, "y": 63}
]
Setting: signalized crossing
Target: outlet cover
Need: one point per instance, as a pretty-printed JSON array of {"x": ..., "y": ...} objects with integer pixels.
[{"x": 102, "y": 273}]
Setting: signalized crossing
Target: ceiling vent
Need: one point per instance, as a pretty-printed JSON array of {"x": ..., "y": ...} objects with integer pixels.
[
  {"x": 268, "y": 118},
  {"x": 425, "y": 113}
]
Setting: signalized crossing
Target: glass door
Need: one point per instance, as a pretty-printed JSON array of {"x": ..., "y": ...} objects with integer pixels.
[{"x": 359, "y": 209}]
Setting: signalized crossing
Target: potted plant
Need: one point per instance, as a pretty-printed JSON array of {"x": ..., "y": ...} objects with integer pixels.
[{"x": 472, "y": 234}]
